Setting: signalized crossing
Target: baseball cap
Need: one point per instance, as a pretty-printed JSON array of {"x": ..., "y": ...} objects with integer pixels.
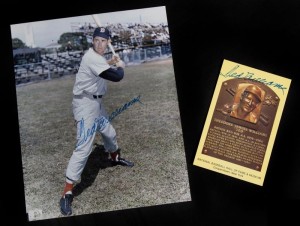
[
  {"x": 101, "y": 32},
  {"x": 255, "y": 91}
]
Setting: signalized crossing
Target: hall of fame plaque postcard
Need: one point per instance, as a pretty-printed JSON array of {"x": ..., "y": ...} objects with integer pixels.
[{"x": 242, "y": 122}]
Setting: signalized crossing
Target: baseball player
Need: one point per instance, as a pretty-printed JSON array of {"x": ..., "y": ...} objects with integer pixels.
[
  {"x": 89, "y": 113},
  {"x": 250, "y": 99}
]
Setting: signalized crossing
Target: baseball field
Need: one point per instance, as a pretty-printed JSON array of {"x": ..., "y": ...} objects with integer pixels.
[{"x": 149, "y": 134}]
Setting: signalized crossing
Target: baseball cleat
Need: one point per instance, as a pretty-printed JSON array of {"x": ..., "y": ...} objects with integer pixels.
[
  {"x": 65, "y": 204},
  {"x": 122, "y": 162}
]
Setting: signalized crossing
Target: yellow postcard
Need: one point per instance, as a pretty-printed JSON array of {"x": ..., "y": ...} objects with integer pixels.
[{"x": 242, "y": 122}]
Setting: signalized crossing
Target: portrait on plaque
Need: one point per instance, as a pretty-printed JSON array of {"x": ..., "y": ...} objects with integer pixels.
[{"x": 247, "y": 103}]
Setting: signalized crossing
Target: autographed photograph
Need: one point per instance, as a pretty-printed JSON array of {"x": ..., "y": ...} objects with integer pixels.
[{"x": 99, "y": 122}]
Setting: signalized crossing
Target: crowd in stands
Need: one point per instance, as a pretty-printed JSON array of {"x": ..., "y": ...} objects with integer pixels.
[
  {"x": 136, "y": 34},
  {"x": 133, "y": 42}
]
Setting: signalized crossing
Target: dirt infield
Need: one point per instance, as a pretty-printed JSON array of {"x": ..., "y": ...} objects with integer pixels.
[{"x": 149, "y": 134}]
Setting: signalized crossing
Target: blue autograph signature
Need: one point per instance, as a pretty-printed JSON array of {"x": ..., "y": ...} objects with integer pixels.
[
  {"x": 124, "y": 107},
  {"x": 250, "y": 76},
  {"x": 100, "y": 123}
]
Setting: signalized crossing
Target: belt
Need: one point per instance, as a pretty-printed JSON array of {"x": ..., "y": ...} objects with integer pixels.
[
  {"x": 89, "y": 95},
  {"x": 97, "y": 96}
]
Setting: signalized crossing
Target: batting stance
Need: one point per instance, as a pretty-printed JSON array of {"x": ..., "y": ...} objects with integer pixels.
[{"x": 89, "y": 88}]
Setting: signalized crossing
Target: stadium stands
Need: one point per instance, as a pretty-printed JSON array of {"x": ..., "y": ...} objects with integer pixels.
[{"x": 151, "y": 42}]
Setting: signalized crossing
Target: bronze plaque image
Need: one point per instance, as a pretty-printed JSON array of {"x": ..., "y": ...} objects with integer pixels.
[{"x": 242, "y": 122}]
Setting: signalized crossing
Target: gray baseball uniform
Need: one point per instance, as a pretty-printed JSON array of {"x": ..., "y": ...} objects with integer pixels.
[{"x": 89, "y": 112}]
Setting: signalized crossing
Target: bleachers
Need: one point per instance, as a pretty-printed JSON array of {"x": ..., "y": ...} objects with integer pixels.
[
  {"x": 65, "y": 63},
  {"x": 52, "y": 66}
]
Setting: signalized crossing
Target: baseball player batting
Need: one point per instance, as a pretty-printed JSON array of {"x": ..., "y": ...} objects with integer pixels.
[{"x": 88, "y": 110}]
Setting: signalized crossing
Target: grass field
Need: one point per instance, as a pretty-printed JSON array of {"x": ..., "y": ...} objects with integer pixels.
[{"x": 149, "y": 134}]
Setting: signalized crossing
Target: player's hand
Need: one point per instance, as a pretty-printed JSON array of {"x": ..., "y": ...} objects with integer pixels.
[
  {"x": 114, "y": 59},
  {"x": 120, "y": 63}
]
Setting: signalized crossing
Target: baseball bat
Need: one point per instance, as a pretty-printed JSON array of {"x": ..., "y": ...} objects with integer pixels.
[{"x": 97, "y": 21}]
